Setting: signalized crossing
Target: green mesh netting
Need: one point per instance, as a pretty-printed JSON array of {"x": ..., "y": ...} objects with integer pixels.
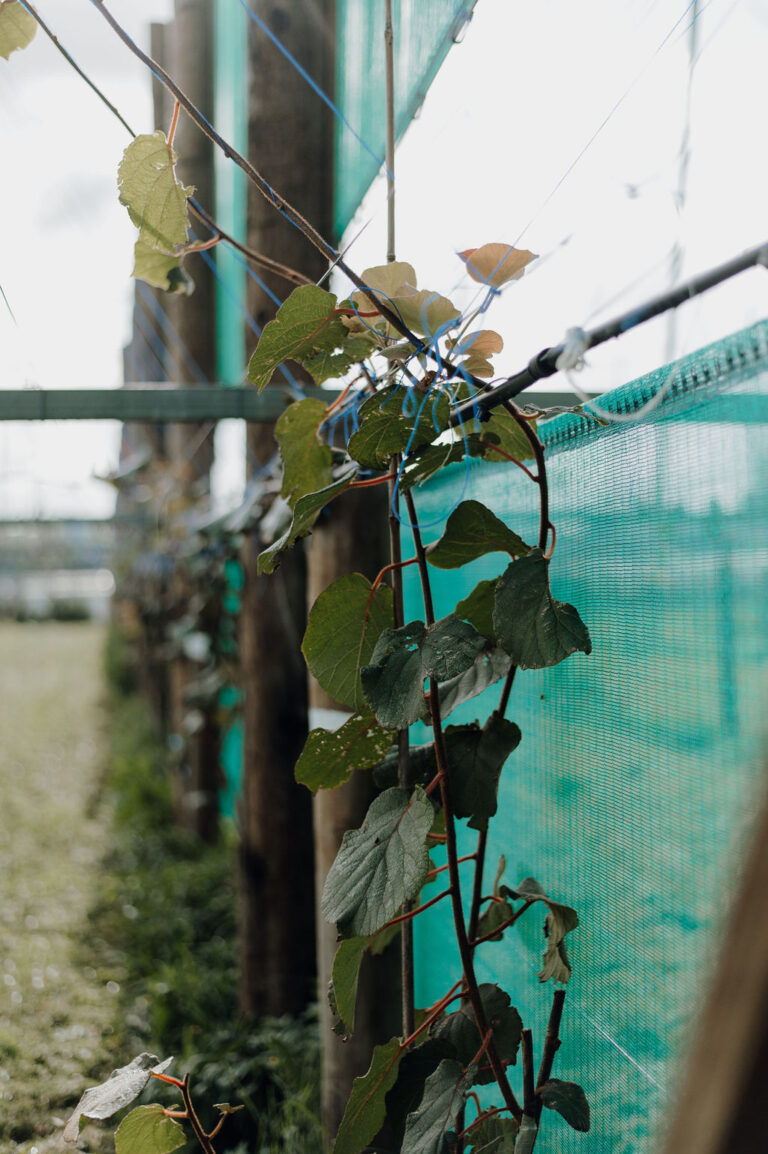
[
  {"x": 423, "y": 32},
  {"x": 631, "y": 794}
]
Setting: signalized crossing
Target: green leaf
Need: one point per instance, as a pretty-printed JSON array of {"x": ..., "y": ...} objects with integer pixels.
[
  {"x": 304, "y": 326},
  {"x": 459, "y": 1029},
  {"x": 17, "y": 27},
  {"x": 476, "y": 757},
  {"x": 344, "y": 977},
  {"x": 306, "y": 512},
  {"x": 161, "y": 269},
  {"x": 408, "y": 1090},
  {"x": 146, "y": 1130},
  {"x": 365, "y": 1109},
  {"x": 495, "y": 915},
  {"x": 306, "y": 459},
  {"x": 429, "y": 459},
  {"x": 494, "y": 1136},
  {"x": 473, "y": 530},
  {"x": 477, "y": 607},
  {"x": 381, "y": 865},
  {"x": 343, "y": 628},
  {"x": 327, "y": 364},
  {"x": 427, "y": 1129},
  {"x": 393, "y": 682},
  {"x": 488, "y": 667},
  {"x": 119, "y": 1090},
  {"x": 404, "y": 658},
  {"x": 502, "y": 431},
  {"x": 385, "y": 428},
  {"x": 569, "y": 1100},
  {"x": 560, "y": 921},
  {"x": 329, "y": 758},
  {"x": 156, "y": 201},
  {"x": 534, "y": 629}
]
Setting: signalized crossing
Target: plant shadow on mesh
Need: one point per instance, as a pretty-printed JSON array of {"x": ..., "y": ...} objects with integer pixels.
[{"x": 164, "y": 928}]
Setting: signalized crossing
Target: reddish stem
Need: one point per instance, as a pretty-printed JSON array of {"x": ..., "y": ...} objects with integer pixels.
[
  {"x": 420, "y": 909},
  {"x": 504, "y": 925},
  {"x": 370, "y": 483},
  {"x": 174, "y": 122},
  {"x": 388, "y": 568},
  {"x": 439, "y": 870}
]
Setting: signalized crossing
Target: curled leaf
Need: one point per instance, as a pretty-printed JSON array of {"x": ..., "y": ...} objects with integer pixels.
[
  {"x": 496, "y": 264},
  {"x": 149, "y": 189},
  {"x": 119, "y": 1090}
]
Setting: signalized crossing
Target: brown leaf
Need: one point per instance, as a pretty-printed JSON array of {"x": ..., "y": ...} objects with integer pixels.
[{"x": 496, "y": 264}]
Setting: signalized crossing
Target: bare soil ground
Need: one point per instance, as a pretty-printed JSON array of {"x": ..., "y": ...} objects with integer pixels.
[{"x": 56, "y": 1013}]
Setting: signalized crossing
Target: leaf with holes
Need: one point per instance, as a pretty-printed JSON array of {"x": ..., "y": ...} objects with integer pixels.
[
  {"x": 328, "y": 364},
  {"x": 496, "y": 264},
  {"x": 149, "y": 189},
  {"x": 366, "y": 1107},
  {"x": 381, "y": 865},
  {"x": 459, "y": 1029},
  {"x": 472, "y": 530},
  {"x": 119, "y": 1090},
  {"x": 427, "y": 1129},
  {"x": 402, "y": 660},
  {"x": 534, "y": 628},
  {"x": 388, "y": 423},
  {"x": 569, "y": 1100},
  {"x": 161, "y": 269},
  {"x": 306, "y": 512},
  {"x": 476, "y": 757},
  {"x": 306, "y": 459},
  {"x": 330, "y": 757},
  {"x": 343, "y": 628},
  {"x": 559, "y": 922},
  {"x": 17, "y": 27},
  {"x": 147, "y": 1130},
  {"x": 304, "y": 326}
]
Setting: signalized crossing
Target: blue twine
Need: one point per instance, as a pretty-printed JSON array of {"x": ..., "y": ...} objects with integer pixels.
[
  {"x": 169, "y": 329},
  {"x": 313, "y": 85}
]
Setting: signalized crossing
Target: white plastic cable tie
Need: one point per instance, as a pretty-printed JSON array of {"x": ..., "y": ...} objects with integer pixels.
[{"x": 574, "y": 347}]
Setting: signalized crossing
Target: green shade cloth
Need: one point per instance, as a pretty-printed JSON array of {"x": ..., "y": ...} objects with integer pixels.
[
  {"x": 641, "y": 766},
  {"x": 423, "y": 32}
]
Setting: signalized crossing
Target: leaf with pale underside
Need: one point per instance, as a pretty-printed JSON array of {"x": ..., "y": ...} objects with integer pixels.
[
  {"x": 380, "y": 865},
  {"x": 472, "y": 531},
  {"x": 560, "y": 921},
  {"x": 459, "y": 1029},
  {"x": 428, "y": 1127},
  {"x": 307, "y": 460},
  {"x": 388, "y": 424},
  {"x": 119, "y": 1090},
  {"x": 343, "y": 628},
  {"x": 496, "y": 264},
  {"x": 330, "y": 757},
  {"x": 536, "y": 630},
  {"x": 490, "y": 665},
  {"x": 425, "y": 312},
  {"x": 161, "y": 269},
  {"x": 569, "y": 1100},
  {"x": 404, "y": 658},
  {"x": 366, "y": 1107},
  {"x": 147, "y": 1130},
  {"x": 149, "y": 189},
  {"x": 17, "y": 27},
  {"x": 306, "y": 512},
  {"x": 475, "y": 350}
]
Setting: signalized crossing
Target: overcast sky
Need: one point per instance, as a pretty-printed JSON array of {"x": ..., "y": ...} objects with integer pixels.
[{"x": 515, "y": 104}]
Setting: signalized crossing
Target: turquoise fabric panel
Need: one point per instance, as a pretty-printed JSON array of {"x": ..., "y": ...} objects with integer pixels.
[
  {"x": 641, "y": 766},
  {"x": 423, "y": 32}
]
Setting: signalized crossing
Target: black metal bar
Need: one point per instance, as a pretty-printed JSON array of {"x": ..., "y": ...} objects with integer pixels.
[{"x": 544, "y": 364}]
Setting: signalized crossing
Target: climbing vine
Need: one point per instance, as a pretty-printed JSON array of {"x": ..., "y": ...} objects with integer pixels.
[{"x": 446, "y": 1083}]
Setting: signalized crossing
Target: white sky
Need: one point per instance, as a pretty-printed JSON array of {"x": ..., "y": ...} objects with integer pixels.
[{"x": 513, "y": 106}]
